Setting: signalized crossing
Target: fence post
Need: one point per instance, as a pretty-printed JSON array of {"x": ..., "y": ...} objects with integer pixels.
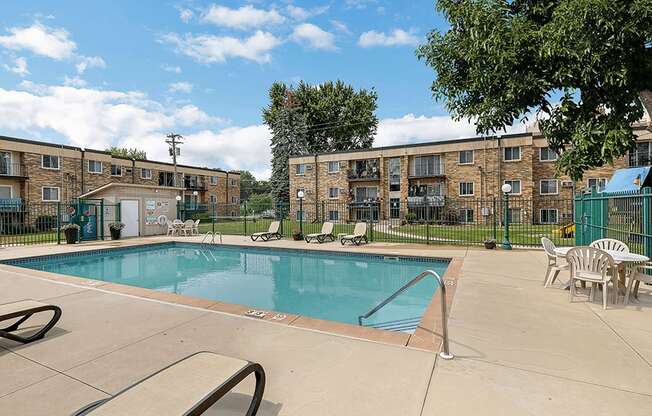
[
  {"x": 647, "y": 221},
  {"x": 494, "y": 230},
  {"x": 102, "y": 219},
  {"x": 245, "y": 217},
  {"x": 428, "y": 232},
  {"x": 213, "y": 217},
  {"x": 579, "y": 218},
  {"x": 58, "y": 222}
]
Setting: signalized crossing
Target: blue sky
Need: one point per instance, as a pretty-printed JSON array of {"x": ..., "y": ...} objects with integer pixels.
[{"x": 96, "y": 74}]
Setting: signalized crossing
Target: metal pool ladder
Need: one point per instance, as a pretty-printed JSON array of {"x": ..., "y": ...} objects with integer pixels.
[
  {"x": 445, "y": 353},
  {"x": 212, "y": 235}
]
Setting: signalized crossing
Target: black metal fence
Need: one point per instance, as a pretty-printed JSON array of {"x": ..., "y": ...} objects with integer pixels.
[
  {"x": 23, "y": 223},
  {"x": 453, "y": 221}
]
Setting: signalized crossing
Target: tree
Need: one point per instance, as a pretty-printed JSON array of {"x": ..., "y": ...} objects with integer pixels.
[
  {"x": 314, "y": 119},
  {"x": 250, "y": 186},
  {"x": 126, "y": 152},
  {"x": 582, "y": 65}
]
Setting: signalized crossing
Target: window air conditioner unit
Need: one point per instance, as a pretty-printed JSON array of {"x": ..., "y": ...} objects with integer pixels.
[
  {"x": 566, "y": 184},
  {"x": 308, "y": 167}
]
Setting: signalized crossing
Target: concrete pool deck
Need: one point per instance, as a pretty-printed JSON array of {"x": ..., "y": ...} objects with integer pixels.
[{"x": 520, "y": 349}]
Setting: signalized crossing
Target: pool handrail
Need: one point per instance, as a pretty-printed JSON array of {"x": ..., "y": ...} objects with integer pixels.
[{"x": 445, "y": 353}]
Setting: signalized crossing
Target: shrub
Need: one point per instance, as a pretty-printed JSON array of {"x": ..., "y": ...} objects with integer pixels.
[{"x": 410, "y": 217}]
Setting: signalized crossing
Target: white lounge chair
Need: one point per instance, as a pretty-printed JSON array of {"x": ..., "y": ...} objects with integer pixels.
[
  {"x": 359, "y": 234},
  {"x": 20, "y": 312},
  {"x": 326, "y": 232},
  {"x": 188, "y": 387},
  {"x": 272, "y": 232},
  {"x": 553, "y": 262},
  {"x": 592, "y": 265}
]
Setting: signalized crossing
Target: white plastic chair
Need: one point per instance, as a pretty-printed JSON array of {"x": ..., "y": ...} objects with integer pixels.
[
  {"x": 188, "y": 225},
  {"x": 592, "y": 265},
  {"x": 171, "y": 229},
  {"x": 635, "y": 279},
  {"x": 195, "y": 228},
  {"x": 610, "y": 244},
  {"x": 553, "y": 266}
]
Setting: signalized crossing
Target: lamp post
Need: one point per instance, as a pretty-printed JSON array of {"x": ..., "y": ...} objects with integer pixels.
[
  {"x": 195, "y": 200},
  {"x": 300, "y": 195},
  {"x": 178, "y": 198},
  {"x": 506, "y": 188}
]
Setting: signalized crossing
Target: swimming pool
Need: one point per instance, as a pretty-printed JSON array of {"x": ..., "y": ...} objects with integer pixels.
[{"x": 325, "y": 285}]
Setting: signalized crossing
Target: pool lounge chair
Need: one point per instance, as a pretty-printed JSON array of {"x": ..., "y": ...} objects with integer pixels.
[
  {"x": 23, "y": 310},
  {"x": 359, "y": 234},
  {"x": 188, "y": 387},
  {"x": 272, "y": 232},
  {"x": 326, "y": 232}
]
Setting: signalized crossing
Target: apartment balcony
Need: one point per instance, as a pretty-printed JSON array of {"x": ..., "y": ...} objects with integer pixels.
[
  {"x": 430, "y": 173},
  {"x": 11, "y": 204},
  {"x": 364, "y": 203},
  {"x": 364, "y": 175},
  {"x": 427, "y": 200},
  {"x": 13, "y": 170},
  {"x": 195, "y": 186}
]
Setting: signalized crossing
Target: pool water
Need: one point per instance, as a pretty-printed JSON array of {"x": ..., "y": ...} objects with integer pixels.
[{"x": 332, "y": 286}]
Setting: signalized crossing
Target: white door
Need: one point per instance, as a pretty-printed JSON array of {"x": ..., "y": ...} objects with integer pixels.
[{"x": 130, "y": 218}]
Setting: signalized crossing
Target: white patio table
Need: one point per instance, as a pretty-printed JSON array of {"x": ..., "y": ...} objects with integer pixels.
[{"x": 629, "y": 260}]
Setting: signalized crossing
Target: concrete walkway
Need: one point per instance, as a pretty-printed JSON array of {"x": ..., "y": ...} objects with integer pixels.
[{"x": 521, "y": 349}]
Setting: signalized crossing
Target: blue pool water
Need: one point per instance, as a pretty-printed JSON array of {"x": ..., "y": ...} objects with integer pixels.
[{"x": 332, "y": 286}]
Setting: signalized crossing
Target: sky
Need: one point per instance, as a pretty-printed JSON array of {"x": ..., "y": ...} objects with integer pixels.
[{"x": 125, "y": 73}]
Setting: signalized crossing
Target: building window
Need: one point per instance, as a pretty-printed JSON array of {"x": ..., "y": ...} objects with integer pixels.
[
  {"x": 145, "y": 173},
  {"x": 512, "y": 154},
  {"x": 6, "y": 192},
  {"x": 394, "y": 174},
  {"x": 50, "y": 194},
  {"x": 548, "y": 187},
  {"x": 333, "y": 167},
  {"x": 516, "y": 186},
  {"x": 300, "y": 190},
  {"x": 366, "y": 194},
  {"x": 333, "y": 215},
  {"x": 213, "y": 199},
  {"x": 466, "y": 157},
  {"x": 213, "y": 180},
  {"x": 597, "y": 183},
  {"x": 466, "y": 216},
  {"x": 641, "y": 155},
  {"x": 94, "y": 166},
  {"x": 333, "y": 193},
  {"x": 50, "y": 162},
  {"x": 116, "y": 170},
  {"x": 514, "y": 215},
  {"x": 424, "y": 166},
  {"x": 466, "y": 188},
  {"x": 548, "y": 216},
  {"x": 234, "y": 199},
  {"x": 233, "y": 182},
  {"x": 300, "y": 169},
  {"x": 546, "y": 154}
]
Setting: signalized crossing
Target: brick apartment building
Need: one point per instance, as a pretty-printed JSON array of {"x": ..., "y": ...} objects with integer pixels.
[
  {"x": 35, "y": 172},
  {"x": 463, "y": 175}
]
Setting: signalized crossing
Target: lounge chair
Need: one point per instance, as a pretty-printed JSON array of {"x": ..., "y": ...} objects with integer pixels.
[
  {"x": 188, "y": 387},
  {"x": 23, "y": 310},
  {"x": 359, "y": 234},
  {"x": 272, "y": 232},
  {"x": 326, "y": 232}
]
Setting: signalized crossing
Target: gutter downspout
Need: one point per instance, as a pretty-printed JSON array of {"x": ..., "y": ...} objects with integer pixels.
[
  {"x": 83, "y": 153},
  {"x": 227, "y": 187},
  {"x": 317, "y": 188},
  {"x": 133, "y": 170}
]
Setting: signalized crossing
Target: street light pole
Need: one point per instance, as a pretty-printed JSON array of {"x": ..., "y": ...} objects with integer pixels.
[
  {"x": 506, "y": 188},
  {"x": 300, "y": 195}
]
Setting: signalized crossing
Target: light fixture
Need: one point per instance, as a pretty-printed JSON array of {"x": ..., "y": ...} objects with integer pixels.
[
  {"x": 178, "y": 197},
  {"x": 301, "y": 194},
  {"x": 506, "y": 188},
  {"x": 195, "y": 193}
]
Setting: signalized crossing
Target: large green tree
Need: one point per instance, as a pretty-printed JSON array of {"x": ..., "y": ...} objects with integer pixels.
[
  {"x": 313, "y": 119},
  {"x": 250, "y": 186},
  {"x": 583, "y": 66},
  {"x": 127, "y": 152}
]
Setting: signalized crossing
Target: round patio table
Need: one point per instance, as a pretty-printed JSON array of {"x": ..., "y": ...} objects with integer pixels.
[{"x": 627, "y": 259}]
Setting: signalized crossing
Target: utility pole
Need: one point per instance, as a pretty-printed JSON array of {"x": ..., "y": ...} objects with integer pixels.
[{"x": 174, "y": 140}]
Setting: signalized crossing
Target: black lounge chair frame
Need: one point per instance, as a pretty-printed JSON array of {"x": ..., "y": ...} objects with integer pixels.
[
  {"x": 357, "y": 240},
  {"x": 320, "y": 238},
  {"x": 219, "y": 392},
  {"x": 24, "y": 315},
  {"x": 266, "y": 236}
]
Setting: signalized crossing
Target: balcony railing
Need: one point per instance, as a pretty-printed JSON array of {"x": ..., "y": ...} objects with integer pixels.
[
  {"x": 430, "y": 200},
  {"x": 364, "y": 175},
  {"x": 11, "y": 204},
  {"x": 13, "y": 169},
  {"x": 195, "y": 186}
]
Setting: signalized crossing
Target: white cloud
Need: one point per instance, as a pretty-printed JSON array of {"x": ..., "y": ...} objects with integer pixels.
[
  {"x": 19, "y": 68},
  {"x": 211, "y": 48},
  {"x": 180, "y": 86},
  {"x": 341, "y": 27},
  {"x": 86, "y": 62},
  {"x": 359, "y": 4},
  {"x": 74, "y": 82},
  {"x": 246, "y": 17},
  {"x": 41, "y": 40},
  {"x": 395, "y": 38},
  {"x": 299, "y": 13},
  {"x": 314, "y": 37},
  {"x": 419, "y": 129},
  {"x": 185, "y": 15},
  {"x": 171, "y": 68}
]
